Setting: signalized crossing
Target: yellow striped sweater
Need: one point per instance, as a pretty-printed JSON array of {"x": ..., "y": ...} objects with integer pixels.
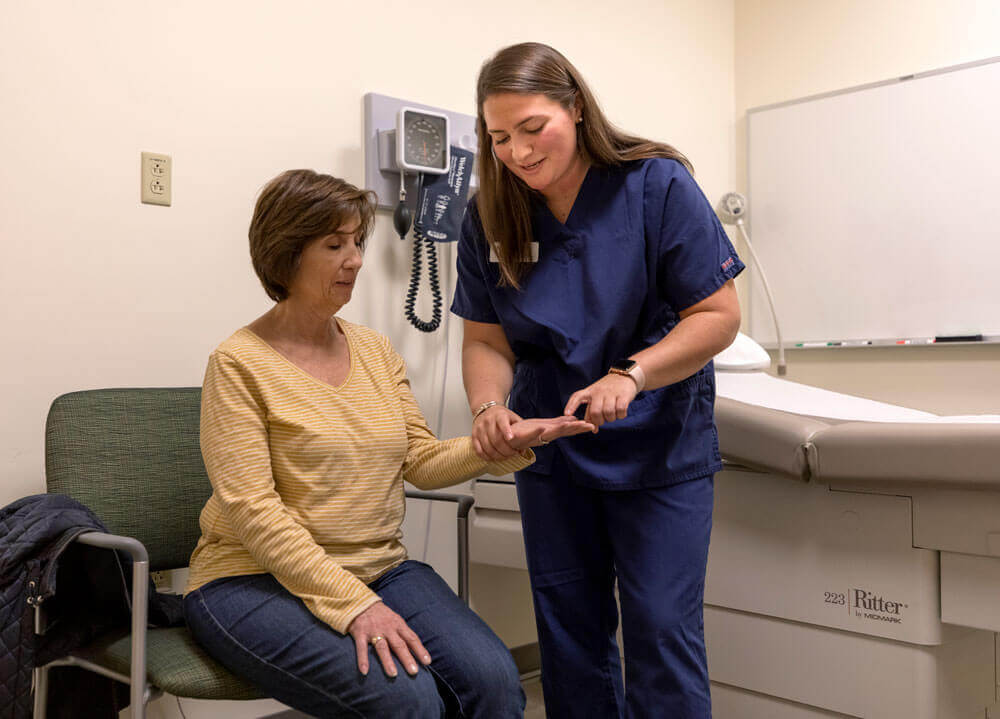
[{"x": 307, "y": 478}]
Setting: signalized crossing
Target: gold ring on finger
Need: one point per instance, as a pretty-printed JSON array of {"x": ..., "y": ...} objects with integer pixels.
[{"x": 376, "y": 639}]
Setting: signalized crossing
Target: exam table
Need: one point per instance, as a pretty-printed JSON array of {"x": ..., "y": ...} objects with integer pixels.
[
  {"x": 854, "y": 568},
  {"x": 855, "y": 559}
]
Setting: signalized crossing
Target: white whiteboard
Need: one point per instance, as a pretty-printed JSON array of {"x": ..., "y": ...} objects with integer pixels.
[{"x": 876, "y": 211}]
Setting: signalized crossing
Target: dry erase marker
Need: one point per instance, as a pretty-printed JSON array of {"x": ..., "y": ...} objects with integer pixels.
[
  {"x": 958, "y": 338},
  {"x": 811, "y": 344},
  {"x": 857, "y": 343}
]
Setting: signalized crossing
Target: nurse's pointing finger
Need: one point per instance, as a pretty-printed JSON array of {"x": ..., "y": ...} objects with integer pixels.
[{"x": 575, "y": 400}]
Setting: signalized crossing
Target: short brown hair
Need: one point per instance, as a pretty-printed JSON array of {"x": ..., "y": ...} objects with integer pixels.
[{"x": 295, "y": 208}]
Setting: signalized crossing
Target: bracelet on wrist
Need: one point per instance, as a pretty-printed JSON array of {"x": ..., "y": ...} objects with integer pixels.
[{"x": 482, "y": 408}]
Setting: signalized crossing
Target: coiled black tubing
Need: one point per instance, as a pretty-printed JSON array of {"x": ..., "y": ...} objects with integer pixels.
[{"x": 420, "y": 241}]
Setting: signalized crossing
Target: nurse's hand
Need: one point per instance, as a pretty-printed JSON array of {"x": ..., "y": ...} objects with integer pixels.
[
  {"x": 607, "y": 399},
  {"x": 388, "y": 633},
  {"x": 492, "y": 434},
  {"x": 536, "y": 432}
]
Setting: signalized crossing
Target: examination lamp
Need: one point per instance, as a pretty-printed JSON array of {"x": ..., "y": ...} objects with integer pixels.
[{"x": 731, "y": 209}]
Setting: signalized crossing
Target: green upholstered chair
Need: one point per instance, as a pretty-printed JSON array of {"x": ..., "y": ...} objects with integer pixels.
[{"x": 133, "y": 457}]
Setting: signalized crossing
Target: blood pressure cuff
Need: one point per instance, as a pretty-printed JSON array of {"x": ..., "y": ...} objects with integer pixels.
[{"x": 442, "y": 199}]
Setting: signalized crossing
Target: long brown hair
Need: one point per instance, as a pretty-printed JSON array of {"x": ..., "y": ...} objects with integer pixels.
[{"x": 504, "y": 200}]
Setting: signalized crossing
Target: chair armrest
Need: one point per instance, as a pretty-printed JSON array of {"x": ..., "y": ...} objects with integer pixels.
[
  {"x": 139, "y": 605},
  {"x": 464, "y": 502},
  {"x": 134, "y": 547}
]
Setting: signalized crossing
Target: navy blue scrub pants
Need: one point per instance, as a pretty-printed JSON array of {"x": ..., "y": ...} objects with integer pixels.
[{"x": 655, "y": 541}]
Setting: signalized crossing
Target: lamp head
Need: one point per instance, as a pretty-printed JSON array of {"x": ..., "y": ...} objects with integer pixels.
[{"x": 731, "y": 208}]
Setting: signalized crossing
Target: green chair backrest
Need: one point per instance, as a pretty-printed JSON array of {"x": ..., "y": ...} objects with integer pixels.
[{"x": 133, "y": 457}]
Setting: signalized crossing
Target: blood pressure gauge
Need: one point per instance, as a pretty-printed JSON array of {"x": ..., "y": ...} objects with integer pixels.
[{"x": 422, "y": 141}]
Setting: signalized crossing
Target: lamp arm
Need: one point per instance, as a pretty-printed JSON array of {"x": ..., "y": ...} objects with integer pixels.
[{"x": 782, "y": 368}]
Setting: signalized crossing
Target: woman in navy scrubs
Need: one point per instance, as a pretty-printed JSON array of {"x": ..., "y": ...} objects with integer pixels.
[{"x": 593, "y": 274}]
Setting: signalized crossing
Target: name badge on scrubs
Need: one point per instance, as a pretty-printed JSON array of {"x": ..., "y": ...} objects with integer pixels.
[{"x": 533, "y": 251}]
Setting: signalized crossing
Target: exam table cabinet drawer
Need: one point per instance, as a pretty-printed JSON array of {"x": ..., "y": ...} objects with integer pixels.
[
  {"x": 730, "y": 702},
  {"x": 970, "y": 590},
  {"x": 842, "y": 672},
  {"x": 961, "y": 521}
]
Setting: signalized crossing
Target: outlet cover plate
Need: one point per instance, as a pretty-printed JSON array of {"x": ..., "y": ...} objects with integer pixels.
[{"x": 156, "y": 178}]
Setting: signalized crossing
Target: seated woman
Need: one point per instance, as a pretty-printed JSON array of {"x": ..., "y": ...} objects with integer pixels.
[{"x": 308, "y": 429}]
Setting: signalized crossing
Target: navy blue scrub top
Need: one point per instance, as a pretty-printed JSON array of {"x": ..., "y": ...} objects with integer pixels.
[{"x": 640, "y": 245}]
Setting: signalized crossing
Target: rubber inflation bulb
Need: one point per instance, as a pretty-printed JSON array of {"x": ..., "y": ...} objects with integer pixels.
[{"x": 401, "y": 220}]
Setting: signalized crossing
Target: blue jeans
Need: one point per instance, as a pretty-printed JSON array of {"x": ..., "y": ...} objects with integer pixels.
[{"x": 259, "y": 630}]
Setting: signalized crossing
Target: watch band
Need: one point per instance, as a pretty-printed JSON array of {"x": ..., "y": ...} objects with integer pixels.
[{"x": 634, "y": 372}]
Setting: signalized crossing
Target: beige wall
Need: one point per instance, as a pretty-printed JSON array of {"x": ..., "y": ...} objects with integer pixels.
[
  {"x": 98, "y": 290},
  {"x": 786, "y": 49}
]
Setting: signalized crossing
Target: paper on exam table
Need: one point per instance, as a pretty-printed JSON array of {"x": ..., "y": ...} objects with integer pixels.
[
  {"x": 762, "y": 389},
  {"x": 738, "y": 377},
  {"x": 962, "y": 418}
]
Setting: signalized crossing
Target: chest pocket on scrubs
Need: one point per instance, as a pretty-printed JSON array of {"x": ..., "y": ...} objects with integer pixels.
[{"x": 543, "y": 313}]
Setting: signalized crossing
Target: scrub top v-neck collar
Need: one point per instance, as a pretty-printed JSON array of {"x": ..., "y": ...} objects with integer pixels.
[{"x": 576, "y": 212}]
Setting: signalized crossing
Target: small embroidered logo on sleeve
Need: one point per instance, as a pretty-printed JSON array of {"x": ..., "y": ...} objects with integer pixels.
[{"x": 728, "y": 263}]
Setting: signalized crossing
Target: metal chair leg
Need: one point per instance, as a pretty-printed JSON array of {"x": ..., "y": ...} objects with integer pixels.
[
  {"x": 140, "y": 605},
  {"x": 140, "y": 608},
  {"x": 40, "y": 677}
]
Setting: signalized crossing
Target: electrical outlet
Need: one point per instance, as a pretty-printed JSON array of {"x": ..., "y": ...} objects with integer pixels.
[{"x": 156, "y": 178}]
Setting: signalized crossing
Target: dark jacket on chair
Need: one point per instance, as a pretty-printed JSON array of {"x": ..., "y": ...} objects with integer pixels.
[{"x": 37, "y": 558}]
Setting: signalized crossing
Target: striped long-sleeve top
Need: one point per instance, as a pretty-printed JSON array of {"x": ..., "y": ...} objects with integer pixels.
[{"x": 307, "y": 478}]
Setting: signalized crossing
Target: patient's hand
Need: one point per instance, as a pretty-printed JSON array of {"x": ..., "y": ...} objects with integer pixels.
[
  {"x": 388, "y": 634},
  {"x": 542, "y": 430}
]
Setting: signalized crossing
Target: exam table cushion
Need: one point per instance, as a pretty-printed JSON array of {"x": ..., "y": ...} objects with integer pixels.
[
  {"x": 805, "y": 432},
  {"x": 765, "y": 439},
  {"x": 963, "y": 454}
]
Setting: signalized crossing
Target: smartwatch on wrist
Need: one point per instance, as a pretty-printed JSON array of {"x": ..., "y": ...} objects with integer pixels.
[{"x": 629, "y": 368}]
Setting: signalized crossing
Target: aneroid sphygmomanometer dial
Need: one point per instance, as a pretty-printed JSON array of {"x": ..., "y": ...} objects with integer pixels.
[{"x": 422, "y": 141}]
